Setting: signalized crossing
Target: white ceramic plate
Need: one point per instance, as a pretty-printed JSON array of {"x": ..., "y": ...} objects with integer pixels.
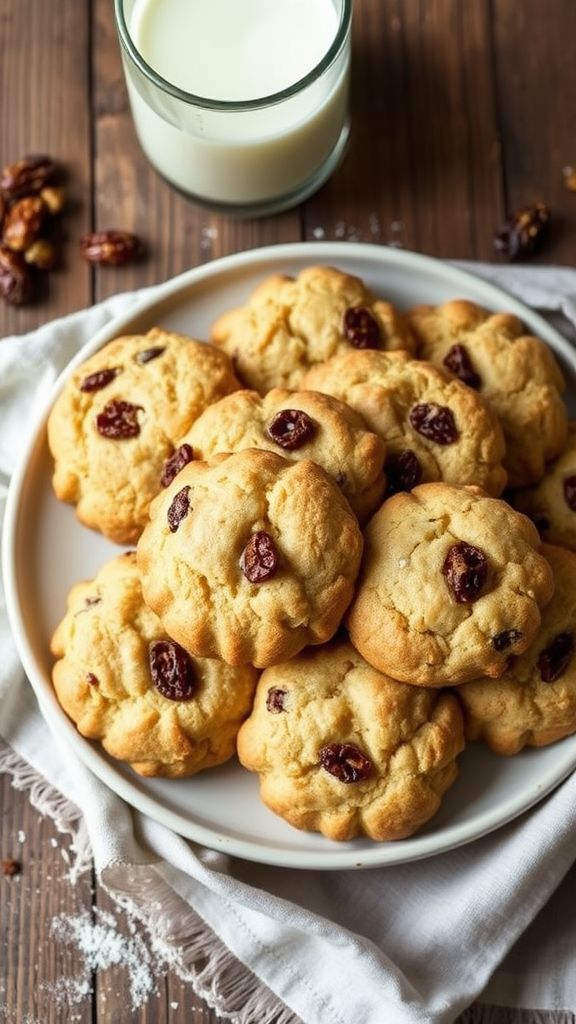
[{"x": 46, "y": 550}]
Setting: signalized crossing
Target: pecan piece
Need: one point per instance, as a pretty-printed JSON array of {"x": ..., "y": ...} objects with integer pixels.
[
  {"x": 15, "y": 280},
  {"x": 110, "y": 248},
  {"x": 42, "y": 254},
  {"x": 27, "y": 176},
  {"x": 23, "y": 223},
  {"x": 524, "y": 232}
]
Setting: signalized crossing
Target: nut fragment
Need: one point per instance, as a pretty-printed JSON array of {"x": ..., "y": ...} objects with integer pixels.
[
  {"x": 11, "y": 867},
  {"x": 54, "y": 197},
  {"x": 570, "y": 178},
  {"x": 524, "y": 232},
  {"x": 23, "y": 223},
  {"x": 110, "y": 248},
  {"x": 27, "y": 176},
  {"x": 15, "y": 280},
  {"x": 42, "y": 254}
]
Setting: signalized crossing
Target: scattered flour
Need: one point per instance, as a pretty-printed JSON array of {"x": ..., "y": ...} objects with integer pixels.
[{"x": 100, "y": 944}]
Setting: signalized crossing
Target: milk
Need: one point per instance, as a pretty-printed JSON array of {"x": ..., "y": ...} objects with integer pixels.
[{"x": 209, "y": 127}]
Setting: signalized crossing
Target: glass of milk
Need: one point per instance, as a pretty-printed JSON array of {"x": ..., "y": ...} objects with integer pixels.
[{"x": 240, "y": 104}]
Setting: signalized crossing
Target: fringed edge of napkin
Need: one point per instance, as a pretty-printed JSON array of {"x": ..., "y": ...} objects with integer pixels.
[
  {"x": 483, "y": 1013},
  {"x": 50, "y": 803},
  {"x": 178, "y": 936},
  {"x": 181, "y": 938}
]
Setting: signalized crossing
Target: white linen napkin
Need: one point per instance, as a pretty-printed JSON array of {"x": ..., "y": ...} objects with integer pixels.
[{"x": 408, "y": 944}]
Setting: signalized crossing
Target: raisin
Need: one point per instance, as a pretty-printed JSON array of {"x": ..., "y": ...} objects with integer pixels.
[
  {"x": 99, "y": 379},
  {"x": 466, "y": 569},
  {"x": 91, "y": 679},
  {"x": 505, "y": 639},
  {"x": 291, "y": 428},
  {"x": 275, "y": 700},
  {"x": 458, "y": 362},
  {"x": 403, "y": 472},
  {"x": 171, "y": 670},
  {"x": 554, "y": 659},
  {"x": 148, "y": 354},
  {"x": 361, "y": 329},
  {"x": 179, "y": 509},
  {"x": 570, "y": 492},
  {"x": 259, "y": 560},
  {"x": 180, "y": 458},
  {"x": 436, "y": 422},
  {"x": 345, "y": 762},
  {"x": 524, "y": 232},
  {"x": 118, "y": 420}
]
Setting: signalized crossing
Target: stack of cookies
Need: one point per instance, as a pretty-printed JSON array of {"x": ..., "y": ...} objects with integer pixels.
[{"x": 327, "y": 579}]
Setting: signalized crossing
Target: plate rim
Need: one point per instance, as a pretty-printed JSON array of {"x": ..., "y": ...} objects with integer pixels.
[{"x": 334, "y": 857}]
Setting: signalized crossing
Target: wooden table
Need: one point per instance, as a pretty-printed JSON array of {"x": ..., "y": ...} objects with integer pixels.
[{"x": 462, "y": 111}]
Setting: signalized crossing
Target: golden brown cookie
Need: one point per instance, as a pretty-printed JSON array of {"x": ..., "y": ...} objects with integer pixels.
[
  {"x": 451, "y": 585},
  {"x": 249, "y": 557},
  {"x": 434, "y": 427},
  {"x": 534, "y": 702},
  {"x": 344, "y": 750},
  {"x": 298, "y": 425},
  {"x": 552, "y": 503},
  {"x": 127, "y": 685},
  {"x": 117, "y": 419},
  {"x": 291, "y": 323},
  {"x": 516, "y": 374}
]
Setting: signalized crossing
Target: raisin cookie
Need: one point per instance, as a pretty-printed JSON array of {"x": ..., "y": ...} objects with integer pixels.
[
  {"x": 298, "y": 425},
  {"x": 289, "y": 324},
  {"x": 125, "y": 683},
  {"x": 118, "y": 418},
  {"x": 452, "y": 585},
  {"x": 516, "y": 374},
  {"x": 434, "y": 428},
  {"x": 534, "y": 702},
  {"x": 249, "y": 557},
  {"x": 344, "y": 750},
  {"x": 552, "y": 503}
]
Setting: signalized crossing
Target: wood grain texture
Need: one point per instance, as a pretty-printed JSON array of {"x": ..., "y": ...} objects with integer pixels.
[
  {"x": 535, "y": 74},
  {"x": 460, "y": 111},
  {"x": 45, "y": 107}
]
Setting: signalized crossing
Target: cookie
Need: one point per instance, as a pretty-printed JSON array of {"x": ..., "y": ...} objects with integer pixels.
[
  {"x": 552, "y": 503},
  {"x": 249, "y": 557},
  {"x": 127, "y": 685},
  {"x": 534, "y": 702},
  {"x": 344, "y": 750},
  {"x": 516, "y": 374},
  {"x": 291, "y": 323},
  {"x": 298, "y": 425},
  {"x": 434, "y": 428},
  {"x": 451, "y": 585},
  {"x": 118, "y": 418}
]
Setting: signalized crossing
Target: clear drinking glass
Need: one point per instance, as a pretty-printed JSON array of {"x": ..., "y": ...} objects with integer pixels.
[{"x": 252, "y": 157}]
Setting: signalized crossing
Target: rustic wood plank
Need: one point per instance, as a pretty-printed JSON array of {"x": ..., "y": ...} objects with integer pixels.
[
  {"x": 44, "y": 107},
  {"x": 33, "y": 964},
  {"x": 422, "y": 168},
  {"x": 536, "y": 83}
]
